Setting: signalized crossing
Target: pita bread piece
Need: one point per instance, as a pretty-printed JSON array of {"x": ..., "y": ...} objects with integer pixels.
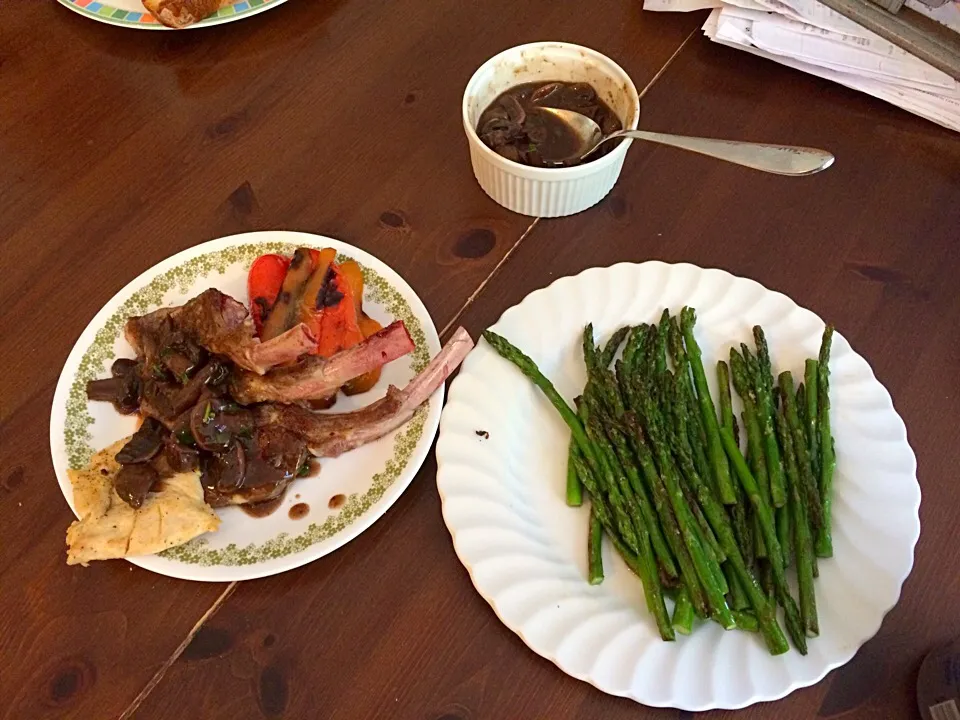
[{"x": 110, "y": 528}]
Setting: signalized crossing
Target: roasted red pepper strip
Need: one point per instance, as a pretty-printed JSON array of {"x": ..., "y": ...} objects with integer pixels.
[
  {"x": 338, "y": 328},
  {"x": 309, "y": 315},
  {"x": 353, "y": 274},
  {"x": 263, "y": 285},
  {"x": 331, "y": 304}
]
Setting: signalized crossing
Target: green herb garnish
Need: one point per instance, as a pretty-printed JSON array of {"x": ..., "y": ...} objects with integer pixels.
[{"x": 208, "y": 414}]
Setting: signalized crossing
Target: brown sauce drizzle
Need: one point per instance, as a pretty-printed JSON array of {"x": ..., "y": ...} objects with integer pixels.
[
  {"x": 336, "y": 501},
  {"x": 262, "y": 509},
  {"x": 299, "y": 511}
]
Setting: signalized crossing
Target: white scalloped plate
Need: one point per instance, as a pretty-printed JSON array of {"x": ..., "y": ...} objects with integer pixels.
[{"x": 503, "y": 496}]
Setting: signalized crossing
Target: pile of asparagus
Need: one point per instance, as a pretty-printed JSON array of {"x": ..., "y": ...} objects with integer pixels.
[{"x": 671, "y": 489}]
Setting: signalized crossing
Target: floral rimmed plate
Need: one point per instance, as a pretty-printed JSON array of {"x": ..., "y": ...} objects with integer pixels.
[
  {"x": 503, "y": 494},
  {"x": 131, "y": 13},
  {"x": 370, "y": 478}
]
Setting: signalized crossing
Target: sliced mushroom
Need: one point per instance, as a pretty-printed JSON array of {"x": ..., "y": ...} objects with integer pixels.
[
  {"x": 105, "y": 390},
  {"x": 497, "y": 125},
  {"x": 544, "y": 93},
  {"x": 272, "y": 459},
  {"x": 122, "y": 389},
  {"x": 581, "y": 94},
  {"x": 122, "y": 367},
  {"x": 180, "y": 457},
  {"x": 133, "y": 482},
  {"x": 168, "y": 400},
  {"x": 194, "y": 388},
  {"x": 537, "y": 132},
  {"x": 225, "y": 472},
  {"x": 181, "y": 356},
  {"x": 128, "y": 397},
  {"x": 514, "y": 109},
  {"x": 610, "y": 124},
  {"x": 215, "y": 424},
  {"x": 144, "y": 445}
]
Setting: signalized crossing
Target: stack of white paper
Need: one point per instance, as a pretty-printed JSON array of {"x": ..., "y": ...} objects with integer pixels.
[{"x": 809, "y": 36}]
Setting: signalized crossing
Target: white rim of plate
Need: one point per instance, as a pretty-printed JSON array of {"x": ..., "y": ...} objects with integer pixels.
[
  {"x": 229, "y": 573},
  {"x": 457, "y": 412}
]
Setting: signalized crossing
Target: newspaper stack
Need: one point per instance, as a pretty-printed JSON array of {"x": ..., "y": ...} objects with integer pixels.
[{"x": 809, "y": 36}]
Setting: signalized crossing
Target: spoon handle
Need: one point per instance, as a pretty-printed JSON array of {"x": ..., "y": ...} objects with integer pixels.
[{"x": 778, "y": 159}]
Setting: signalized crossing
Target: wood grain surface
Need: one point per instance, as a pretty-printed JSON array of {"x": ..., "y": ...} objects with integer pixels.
[{"x": 341, "y": 117}]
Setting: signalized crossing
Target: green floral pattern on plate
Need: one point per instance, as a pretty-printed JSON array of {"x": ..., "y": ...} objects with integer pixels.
[{"x": 77, "y": 435}]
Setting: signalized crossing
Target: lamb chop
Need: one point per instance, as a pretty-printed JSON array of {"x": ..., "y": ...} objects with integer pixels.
[
  {"x": 330, "y": 435},
  {"x": 244, "y": 463},
  {"x": 222, "y": 325},
  {"x": 316, "y": 377},
  {"x": 256, "y": 452}
]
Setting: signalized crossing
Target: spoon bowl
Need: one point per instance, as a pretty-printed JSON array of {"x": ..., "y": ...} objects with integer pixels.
[{"x": 789, "y": 160}]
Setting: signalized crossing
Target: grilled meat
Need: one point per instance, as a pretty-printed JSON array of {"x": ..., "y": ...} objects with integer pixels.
[
  {"x": 315, "y": 377},
  {"x": 332, "y": 434},
  {"x": 200, "y": 376},
  {"x": 219, "y": 324}
]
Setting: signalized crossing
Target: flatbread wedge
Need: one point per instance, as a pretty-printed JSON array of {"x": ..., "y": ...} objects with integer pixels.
[
  {"x": 180, "y": 13},
  {"x": 110, "y": 528}
]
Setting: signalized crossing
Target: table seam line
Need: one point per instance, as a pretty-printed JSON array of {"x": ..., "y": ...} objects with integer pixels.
[
  {"x": 483, "y": 283},
  {"x": 168, "y": 663},
  {"x": 668, "y": 63}
]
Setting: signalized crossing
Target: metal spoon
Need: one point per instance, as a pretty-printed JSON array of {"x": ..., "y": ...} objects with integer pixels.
[{"x": 777, "y": 159}]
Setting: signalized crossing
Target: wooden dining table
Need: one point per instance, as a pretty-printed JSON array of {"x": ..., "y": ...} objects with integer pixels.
[{"x": 119, "y": 148}]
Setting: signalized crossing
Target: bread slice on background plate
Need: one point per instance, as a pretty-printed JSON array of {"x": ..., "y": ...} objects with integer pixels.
[{"x": 180, "y": 13}]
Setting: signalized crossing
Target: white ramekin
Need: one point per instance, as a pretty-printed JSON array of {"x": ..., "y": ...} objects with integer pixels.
[{"x": 548, "y": 192}]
